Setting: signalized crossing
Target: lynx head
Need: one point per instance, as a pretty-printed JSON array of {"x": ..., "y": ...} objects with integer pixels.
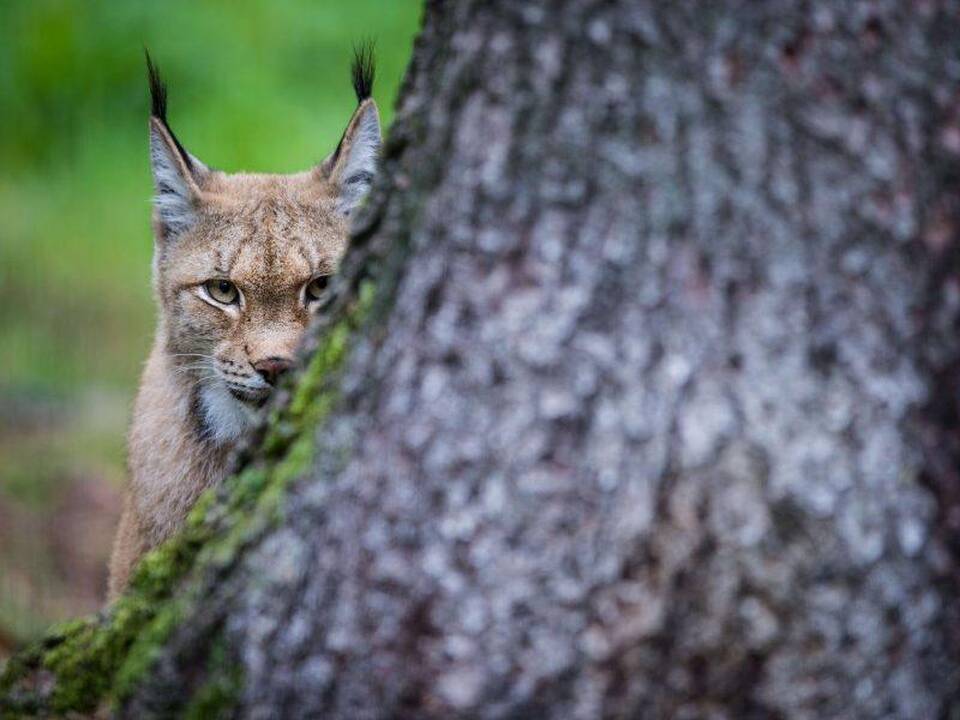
[{"x": 241, "y": 260}]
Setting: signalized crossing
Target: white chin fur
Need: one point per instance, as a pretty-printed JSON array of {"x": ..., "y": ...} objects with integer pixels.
[{"x": 226, "y": 417}]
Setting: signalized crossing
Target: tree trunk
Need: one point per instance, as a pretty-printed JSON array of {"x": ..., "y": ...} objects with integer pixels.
[{"x": 639, "y": 396}]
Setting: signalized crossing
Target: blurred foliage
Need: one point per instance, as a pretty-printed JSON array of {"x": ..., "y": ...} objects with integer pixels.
[{"x": 254, "y": 85}]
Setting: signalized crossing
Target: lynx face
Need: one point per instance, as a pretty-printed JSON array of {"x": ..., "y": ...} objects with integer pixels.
[{"x": 241, "y": 261}]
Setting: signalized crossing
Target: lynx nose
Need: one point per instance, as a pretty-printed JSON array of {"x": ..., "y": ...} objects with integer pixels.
[{"x": 272, "y": 368}]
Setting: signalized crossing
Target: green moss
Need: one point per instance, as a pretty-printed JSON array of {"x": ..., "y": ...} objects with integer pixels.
[
  {"x": 217, "y": 696},
  {"x": 146, "y": 647},
  {"x": 103, "y": 658}
]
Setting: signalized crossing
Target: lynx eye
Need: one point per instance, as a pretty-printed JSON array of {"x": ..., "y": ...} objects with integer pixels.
[
  {"x": 223, "y": 291},
  {"x": 316, "y": 287}
]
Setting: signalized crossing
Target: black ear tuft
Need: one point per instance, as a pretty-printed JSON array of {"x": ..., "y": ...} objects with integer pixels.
[
  {"x": 158, "y": 105},
  {"x": 158, "y": 90},
  {"x": 363, "y": 69}
]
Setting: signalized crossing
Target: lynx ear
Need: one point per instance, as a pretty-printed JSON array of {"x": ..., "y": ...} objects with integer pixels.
[
  {"x": 353, "y": 165},
  {"x": 177, "y": 175}
]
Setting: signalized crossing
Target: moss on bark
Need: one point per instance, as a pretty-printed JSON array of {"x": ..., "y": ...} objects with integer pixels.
[{"x": 217, "y": 696}]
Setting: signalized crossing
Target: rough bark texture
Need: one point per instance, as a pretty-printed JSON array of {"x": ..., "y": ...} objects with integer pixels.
[{"x": 655, "y": 413}]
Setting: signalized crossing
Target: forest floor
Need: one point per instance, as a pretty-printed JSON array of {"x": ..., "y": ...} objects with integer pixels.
[{"x": 61, "y": 473}]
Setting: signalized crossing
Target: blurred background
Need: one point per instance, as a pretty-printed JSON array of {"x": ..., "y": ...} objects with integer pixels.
[{"x": 258, "y": 85}]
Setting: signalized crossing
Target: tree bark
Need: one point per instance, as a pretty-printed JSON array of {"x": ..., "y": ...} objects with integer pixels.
[{"x": 653, "y": 410}]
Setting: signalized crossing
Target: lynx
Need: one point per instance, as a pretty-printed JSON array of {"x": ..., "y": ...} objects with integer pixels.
[{"x": 241, "y": 262}]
